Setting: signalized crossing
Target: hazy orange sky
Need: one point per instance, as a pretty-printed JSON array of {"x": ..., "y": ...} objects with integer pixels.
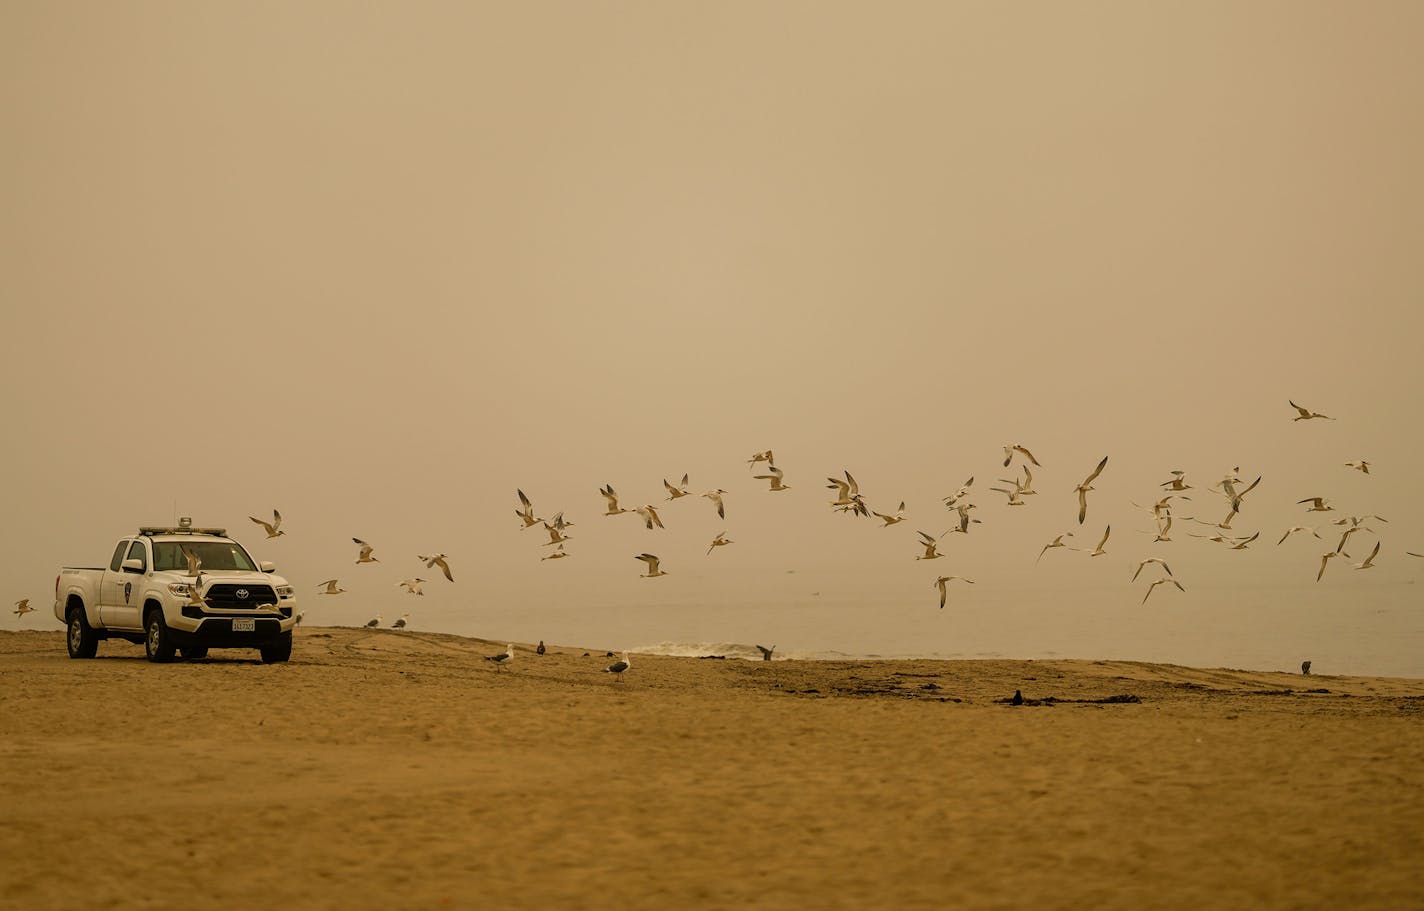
[{"x": 379, "y": 264}]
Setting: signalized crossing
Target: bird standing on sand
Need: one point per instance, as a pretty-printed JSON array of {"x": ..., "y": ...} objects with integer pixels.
[
  {"x": 400, "y": 624},
  {"x": 1018, "y": 698},
  {"x": 22, "y": 607},
  {"x": 618, "y": 667},
  {"x": 366, "y": 549},
  {"x": 272, "y": 530},
  {"x": 503, "y": 658},
  {"x": 540, "y": 650},
  {"x": 766, "y": 652},
  {"x": 1305, "y": 667},
  {"x": 374, "y": 622}
]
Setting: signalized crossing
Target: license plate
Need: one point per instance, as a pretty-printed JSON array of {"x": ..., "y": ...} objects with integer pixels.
[{"x": 244, "y": 626}]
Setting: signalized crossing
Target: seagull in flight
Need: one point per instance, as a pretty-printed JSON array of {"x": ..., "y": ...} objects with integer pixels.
[
  {"x": 1098, "y": 551},
  {"x": 1056, "y": 542},
  {"x": 774, "y": 477},
  {"x": 558, "y": 552},
  {"x": 1158, "y": 560},
  {"x": 1015, "y": 495},
  {"x": 1306, "y": 414},
  {"x": 272, "y": 530},
  {"x": 653, "y": 570},
  {"x": 765, "y": 456},
  {"x": 1154, "y": 585},
  {"x": 439, "y": 560},
  {"x": 930, "y": 543},
  {"x": 526, "y": 511},
  {"x": 677, "y": 492},
  {"x": 1361, "y": 466},
  {"x": 1292, "y": 530},
  {"x": 720, "y": 541},
  {"x": 1370, "y": 560},
  {"x": 649, "y": 515},
  {"x": 412, "y": 586},
  {"x": 1324, "y": 561},
  {"x": 942, "y": 583},
  {"x": 1243, "y": 543},
  {"x": 556, "y": 535},
  {"x": 1320, "y": 504},
  {"x": 1086, "y": 486},
  {"x": 329, "y": 588},
  {"x": 716, "y": 497},
  {"x": 959, "y": 494},
  {"x": 195, "y": 563},
  {"x": 1178, "y": 482},
  {"x": 613, "y": 508},
  {"x": 365, "y": 552},
  {"x": 22, "y": 607},
  {"x": 766, "y": 652},
  {"x": 847, "y": 491},
  {"x": 897, "y": 518},
  {"x": 964, "y": 520},
  {"x": 1012, "y": 448}
]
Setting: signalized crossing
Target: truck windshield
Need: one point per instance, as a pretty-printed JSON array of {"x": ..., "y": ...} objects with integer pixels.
[{"x": 216, "y": 555}]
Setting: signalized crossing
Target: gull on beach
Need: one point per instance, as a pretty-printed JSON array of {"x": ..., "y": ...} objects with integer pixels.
[
  {"x": 653, "y": 570},
  {"x": 1158, "y": 560},
  {"x": 1361, "y": 466},
  {"x": 929, "y": 543},
  {"x": 766, "y": 652},
  {"x": 526, "y": 511},
  {"x": 678, "y": 492},
  {"x": 374, "y": 622},
  {"x": 959, "y": 494},
  {"x": 649, "y": 515},
  {"x": 329, "y": 588},
  {"x": 1098, "y": 551},
  {"x": 365, "y": 552},
  {"x": 774, "y": 477},
  {"x": 618, "y": 667},
  {"x": 720, "y": 541},
  {"x": 1292, "y": 530},
  {"x": 412, "y": 586},
  {"x": 400, "y": 624},
  {"x": 1012, "y": 448},
  {"x": 613, "y": 508},
  {"x": 22, "y": 607},
  {"x": 1154, "y": 585},
  {"x": 272, "y": 529},
  {"x": 1319, "y": 504},
  {"x": 1056, "y": 542},
  {"x": 503, "y": 658},
  {"x": 898, "y": 517},
  {"x": 1370, "y": 560},
  {"x": 1086, "y": 486},
  {"x": 1306, "y": 414},
  {"x": 716, "y": 497},
  {"x": 942, "y": 583},
  {"x": 439, "y": 560}
]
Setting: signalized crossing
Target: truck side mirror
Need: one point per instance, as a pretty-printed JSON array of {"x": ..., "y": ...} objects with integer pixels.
[
  {"x": 132, "y": 565},
  {"x": 267, "y": 566}
]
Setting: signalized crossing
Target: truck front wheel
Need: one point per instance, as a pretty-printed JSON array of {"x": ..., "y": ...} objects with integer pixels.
[
  {"x": 157, "y": 641},
  {"x": 278, "y": 650},
  {"x": 81, "y": 640}
]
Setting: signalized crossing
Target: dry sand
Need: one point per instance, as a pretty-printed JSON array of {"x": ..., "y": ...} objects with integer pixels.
[{"x": 401, "y": 770}]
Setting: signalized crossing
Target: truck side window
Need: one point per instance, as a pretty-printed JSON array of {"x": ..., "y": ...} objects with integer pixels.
[
  {"x": 136, "y": 553},
  {"x": 118, "y": 560}
]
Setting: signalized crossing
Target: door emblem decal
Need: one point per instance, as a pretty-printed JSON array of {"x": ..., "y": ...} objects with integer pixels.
[{"x": 128, "y": 590}]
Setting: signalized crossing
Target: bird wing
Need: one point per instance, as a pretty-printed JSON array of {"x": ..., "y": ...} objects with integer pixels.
[
  {"x": 1082, "y": 505},
  {"x": 1029, "y": 454},
  {"x": 1107, "y": 531},
  {"x": 1096, "y": 471},
  {"x": 444, "y": 568}
]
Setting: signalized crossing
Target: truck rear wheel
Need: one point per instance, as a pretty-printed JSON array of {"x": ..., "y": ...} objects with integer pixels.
[
  {"x": 278, "y": 650},
  {"x": 157, "y": 641},
  {"x": 81, "y": 640}
]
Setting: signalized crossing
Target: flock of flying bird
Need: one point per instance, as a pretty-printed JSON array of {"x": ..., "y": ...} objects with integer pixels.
[{"x": 848, "y": 499}]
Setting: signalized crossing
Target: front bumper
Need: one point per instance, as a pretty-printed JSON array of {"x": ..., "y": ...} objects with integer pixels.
[{"x": 215, "y": 629}]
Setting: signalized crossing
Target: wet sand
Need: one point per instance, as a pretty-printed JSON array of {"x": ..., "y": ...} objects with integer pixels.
[{"x": 382, "y": 769}]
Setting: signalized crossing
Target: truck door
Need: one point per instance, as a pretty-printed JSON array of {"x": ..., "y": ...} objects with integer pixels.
[
  {"x": 111, "y": 584},
  {"x": 130, "y": 593}
]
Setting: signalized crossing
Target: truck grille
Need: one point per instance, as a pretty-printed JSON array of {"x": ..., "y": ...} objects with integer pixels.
[{"x": 224, "y": 596}]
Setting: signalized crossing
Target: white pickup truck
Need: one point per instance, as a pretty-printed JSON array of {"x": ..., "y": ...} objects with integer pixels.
[{"x": 177, "y": 589}]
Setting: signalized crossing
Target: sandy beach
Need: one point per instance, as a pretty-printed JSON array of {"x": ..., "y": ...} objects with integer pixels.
[{"x": 382, "y": 769}]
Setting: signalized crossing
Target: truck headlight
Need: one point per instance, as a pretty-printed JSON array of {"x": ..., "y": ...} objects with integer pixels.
[
  {"x": 285, "y": 591},
  {"x": 179, "y": 588}
]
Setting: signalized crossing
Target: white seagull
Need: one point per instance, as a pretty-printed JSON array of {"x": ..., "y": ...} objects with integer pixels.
[
  {"x": 439, "y": 560},
  {"x": 774, "y": 477},
  {"x": 22, "y": 607},
  {"x": 1098, "y": 551},
  {"x": 959, "y": 494},
  {"x": 764, "y": 456},
  {"x": 1319, "y": 504},
  {"x": 720, "y": 541},
  {"x": 374, "y": 622},
  {"x": 1306, "y": 414},
  {"x": 1178, "y": 482},
  {"x": 526, "y": 511},
  {"x": 1361, "y": 466},
  {"x": 1086, "y": 486},
  {"x": 412, "y": 586},
  {"x": 1370, "y": 560},
  {"x": 942, "y": 583},
  {"x": 649, "y": 515},
  {"x": 1292, "y": 530},
  {"x": 365, "y": 552},
  {"x": 678, "y": 492},
  {"x": 1160, "y": 582},
  {"x": 503, "y": 658},
  {"x": 929, "y": 542},
  {"x": 653, "y": 570},
  {"x": 618, "y": 667},
  {"x": 272, "y": 529},
  {"x": 329, "y": 588},
  {"x": 1324, "y": 561},
  {"x": 558, "y": 552},
  {"x": 194, "y": 562},
  {"x": 1056, "y": 542},
  {"x": 898, "y": 517},
  {"x": 1158, "y": 560},
  {"x": 556, "y": 535},
  {"x": 1012, "y": 448},
  {"x": 716, "y": 497},
  {"x": 612, "y": 497},
  {"x": 400, "y": 624},
  {"x": 1243, "y": 543}
]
